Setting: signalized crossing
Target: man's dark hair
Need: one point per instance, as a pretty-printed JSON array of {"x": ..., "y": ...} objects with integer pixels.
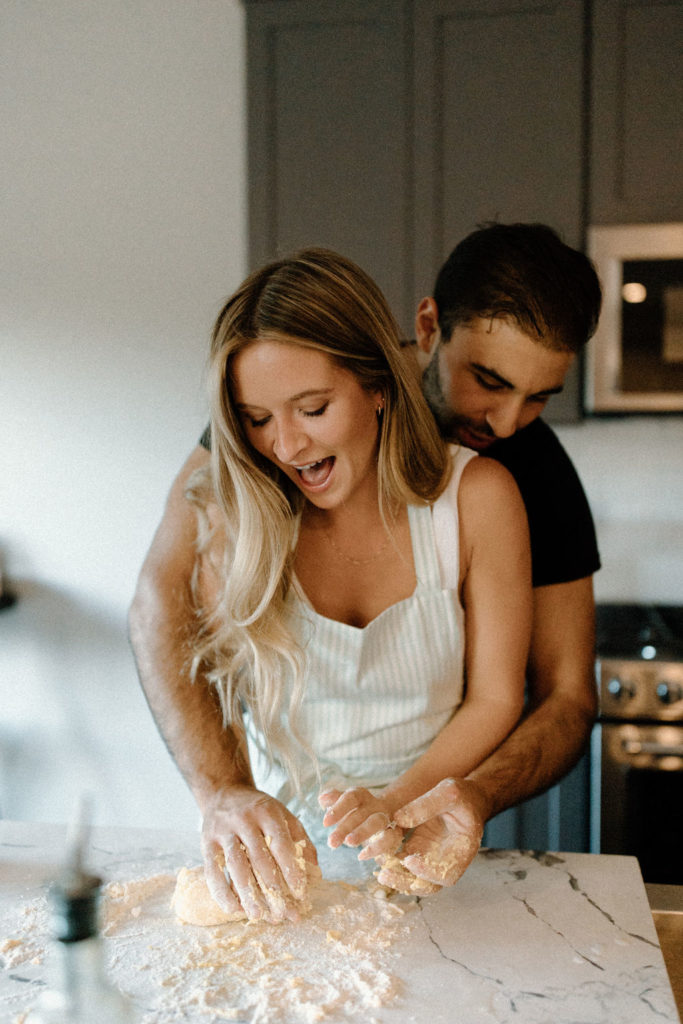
[{"x": 524, "y": 272}]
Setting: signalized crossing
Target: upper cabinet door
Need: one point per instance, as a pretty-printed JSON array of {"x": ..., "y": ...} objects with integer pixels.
[
  {"x": 500, "y": 132},
  {"x": 500, "y": 127},
  {"x": 637, "y": 111},
  {"x": 329, "y": 142}
]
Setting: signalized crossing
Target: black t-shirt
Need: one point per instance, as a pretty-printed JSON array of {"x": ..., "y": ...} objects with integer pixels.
[{"x": 563, "y": 542}]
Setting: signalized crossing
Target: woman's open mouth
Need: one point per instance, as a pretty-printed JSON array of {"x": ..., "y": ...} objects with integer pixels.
[{"x": 316, "y": 474}]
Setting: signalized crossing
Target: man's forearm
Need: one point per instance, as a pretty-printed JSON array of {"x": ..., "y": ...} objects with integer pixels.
[
  {"x": 528, "y": 762},
  {"x": 187, "y": 713}
]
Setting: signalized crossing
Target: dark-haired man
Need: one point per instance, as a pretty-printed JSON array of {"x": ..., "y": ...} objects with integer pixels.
[{"x": 511, "y": 308}]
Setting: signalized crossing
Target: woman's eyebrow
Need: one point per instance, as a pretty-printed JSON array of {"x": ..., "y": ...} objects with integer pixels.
[
  {"x": 308, "y": 393},
  {"x": 311, "y": 393}
]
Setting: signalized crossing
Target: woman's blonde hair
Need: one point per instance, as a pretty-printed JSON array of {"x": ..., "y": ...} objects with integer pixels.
[{"x": 316, "y": 299}]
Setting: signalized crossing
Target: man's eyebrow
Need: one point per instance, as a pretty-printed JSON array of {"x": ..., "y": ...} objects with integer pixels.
[
  {"x": 549, "y": 391},
  {"x": 480, "y": 368},
  {"x": 504, "y": 382}
]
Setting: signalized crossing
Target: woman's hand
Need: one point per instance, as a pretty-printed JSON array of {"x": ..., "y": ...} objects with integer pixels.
[
  {"x": 361, "y": 819},
  {"x": 264, "y": 851}
]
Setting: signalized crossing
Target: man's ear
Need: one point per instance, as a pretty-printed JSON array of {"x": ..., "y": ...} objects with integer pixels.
[{"x": 427, "y": 333}]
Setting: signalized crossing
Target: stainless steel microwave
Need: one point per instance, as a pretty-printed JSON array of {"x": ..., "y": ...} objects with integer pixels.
[{"x": 634, "y": 362}]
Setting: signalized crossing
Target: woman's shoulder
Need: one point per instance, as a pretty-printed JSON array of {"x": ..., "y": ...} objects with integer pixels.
[
  {"x": 476, "y": 481},
  {"x": 489, "y": 499},
  {"x": 460, "y": 458}
]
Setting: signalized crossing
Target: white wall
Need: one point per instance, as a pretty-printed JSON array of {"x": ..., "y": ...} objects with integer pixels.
[
  {"x": 124, "y": 228},
  {"x": 632, "y": 471},
  {"x": 123, "y": 212}
]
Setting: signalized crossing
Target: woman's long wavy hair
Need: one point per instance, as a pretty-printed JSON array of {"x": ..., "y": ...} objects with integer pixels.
[{"x": 319, "y": 300}]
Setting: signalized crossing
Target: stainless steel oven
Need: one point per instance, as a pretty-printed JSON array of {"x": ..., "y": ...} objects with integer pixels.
[{"x": 637, "y": 751}]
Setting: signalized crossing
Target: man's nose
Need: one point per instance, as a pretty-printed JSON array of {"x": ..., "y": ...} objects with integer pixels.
[
  {"x": 288, "y": 442},
  {"x": 504, "y": 417}
]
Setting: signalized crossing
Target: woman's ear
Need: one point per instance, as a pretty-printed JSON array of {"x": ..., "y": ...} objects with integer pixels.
[{"x": 427, "y": 333}]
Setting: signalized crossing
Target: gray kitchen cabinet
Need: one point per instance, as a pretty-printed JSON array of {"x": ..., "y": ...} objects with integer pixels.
[
  {"x": 329, "y": 140},
  {"x": 637, "y": 112},
  {"x": 499, "y": 127},
  {"x": 388, "y": 130},
  {"x": 499, "y": 120}
]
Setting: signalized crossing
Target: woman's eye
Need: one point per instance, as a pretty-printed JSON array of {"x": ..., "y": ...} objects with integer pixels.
[
  {"x": 317, "y": 412},
  {"x": 258, "y": 423}
]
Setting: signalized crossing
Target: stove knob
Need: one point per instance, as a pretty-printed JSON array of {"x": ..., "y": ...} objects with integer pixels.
[
  {"x": 620, "y": 690},
  {"x": 669, "y": 693}
]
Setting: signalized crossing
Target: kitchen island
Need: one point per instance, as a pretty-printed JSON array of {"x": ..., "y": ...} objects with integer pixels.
[{"x": 524, "y": 938}]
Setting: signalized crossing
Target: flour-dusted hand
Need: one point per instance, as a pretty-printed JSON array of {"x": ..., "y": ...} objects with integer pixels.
[
  {"x": 361, "y": 819},
  {"x": 257, "y": 855},
  {"x": 448, "y": 827}
]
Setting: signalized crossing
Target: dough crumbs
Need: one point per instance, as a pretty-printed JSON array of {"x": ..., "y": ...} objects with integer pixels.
[
  {"x": 194, "y": 904},
  {"x": 340, "y": 963},
  {"x": 393, "y": 872},
  {"x": 26, "y": 944},
  {"x": 334, "y": 964}
]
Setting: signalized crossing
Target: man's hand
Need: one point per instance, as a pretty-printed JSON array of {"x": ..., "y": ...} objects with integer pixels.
[
  {"x": 448, "y": 825},
  {"x": 257, "y": 855}
]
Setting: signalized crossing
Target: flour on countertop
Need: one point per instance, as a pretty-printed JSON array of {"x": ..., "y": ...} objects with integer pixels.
[
  {"x": 333, "y": 965},
  {"x": 26, "y": 943}
]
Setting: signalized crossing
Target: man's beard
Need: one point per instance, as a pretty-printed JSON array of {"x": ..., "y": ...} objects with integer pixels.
[
  {"x": 446, "y": 419},
  {"x": 452, "y": 427}
]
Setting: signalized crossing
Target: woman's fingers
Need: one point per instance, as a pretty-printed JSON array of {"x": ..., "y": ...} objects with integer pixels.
[
  {"x": 371, "y": 827},
  {"x": 357, "y": 814},
  {"x": 329, "y": 797}
]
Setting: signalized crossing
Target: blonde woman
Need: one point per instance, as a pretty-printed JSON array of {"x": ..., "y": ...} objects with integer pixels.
[{"x": 353, "y": 571}]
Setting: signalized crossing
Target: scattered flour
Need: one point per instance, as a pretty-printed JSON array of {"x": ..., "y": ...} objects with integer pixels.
[
  {"x": 333, "y": 965},
  {"x": 25, "y": 945}
]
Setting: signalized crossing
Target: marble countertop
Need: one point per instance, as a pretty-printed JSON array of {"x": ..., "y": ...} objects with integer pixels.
[{"x": 523, "y": 938}]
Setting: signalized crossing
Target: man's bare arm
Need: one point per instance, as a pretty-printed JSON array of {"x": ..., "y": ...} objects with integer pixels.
[
  {"x": 162, "y": 625},
  {"x": 562, "y": 701},
  {"x": 236, "y": 816}
]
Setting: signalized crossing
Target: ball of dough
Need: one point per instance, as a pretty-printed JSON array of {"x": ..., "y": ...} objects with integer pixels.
[{"x": 194, "y": 904}]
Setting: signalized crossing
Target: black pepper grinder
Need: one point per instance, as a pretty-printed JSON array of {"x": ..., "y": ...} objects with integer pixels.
[{"x": 80, "y": 992}]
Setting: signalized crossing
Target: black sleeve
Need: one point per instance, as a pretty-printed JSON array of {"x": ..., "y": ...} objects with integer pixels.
[{"x": 563, "y": 541}]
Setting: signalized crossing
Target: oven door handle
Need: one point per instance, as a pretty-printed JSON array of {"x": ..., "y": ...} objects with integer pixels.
[{"x": 652, "y": 747}]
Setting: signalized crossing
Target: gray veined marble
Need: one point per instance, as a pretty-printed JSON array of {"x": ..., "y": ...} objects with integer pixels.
[
  {"x": 543, "y": 939},
  {"x": 523, "y": 938}
]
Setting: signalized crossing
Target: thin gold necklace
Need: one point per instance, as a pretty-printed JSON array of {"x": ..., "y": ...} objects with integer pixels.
[{"x": 350, "y": 558}]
